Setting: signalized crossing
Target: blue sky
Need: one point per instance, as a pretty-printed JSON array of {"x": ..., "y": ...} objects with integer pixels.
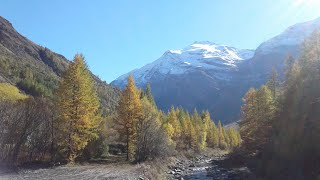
[{"x": 117, "y": 36}]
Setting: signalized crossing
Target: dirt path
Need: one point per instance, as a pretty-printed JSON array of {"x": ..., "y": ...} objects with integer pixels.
[
  {"x": 112, "y": 167},
  {"x": 92, "y": 171}
]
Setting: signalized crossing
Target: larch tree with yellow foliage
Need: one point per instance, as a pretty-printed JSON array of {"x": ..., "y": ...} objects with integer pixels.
[
  {"x": 78, "y": 107},
  {"x": 173, "y": 120},
  {"x": 234, "y": 137},
  {"x": 204, "y": 128},
  {"x": 213, "y": 135},
  {"x": 222, "y": 139},
  {"x": 129, "y": 111}
]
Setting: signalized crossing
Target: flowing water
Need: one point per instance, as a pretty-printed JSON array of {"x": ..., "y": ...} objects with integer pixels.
[{"x": 207, "y": 169}]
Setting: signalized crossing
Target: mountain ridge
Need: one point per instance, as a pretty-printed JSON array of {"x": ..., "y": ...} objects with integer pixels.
[
  {"x": 200, "y": 54},
  {"x": 219, "y": 90},
  {"x": 36, "y": 70},
  {"x": 291, "y": 36}
]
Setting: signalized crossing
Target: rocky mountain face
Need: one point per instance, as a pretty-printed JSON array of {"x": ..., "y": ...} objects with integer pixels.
[
  {"x": 205, "y": 75},
  {"x": 36, "y": 70},
  {"x": 199, "y": 56}
]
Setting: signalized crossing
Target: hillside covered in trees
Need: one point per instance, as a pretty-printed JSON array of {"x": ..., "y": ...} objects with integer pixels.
[
  {"x": 36, "y": 70},
  {"x": 280, "y": 120}
]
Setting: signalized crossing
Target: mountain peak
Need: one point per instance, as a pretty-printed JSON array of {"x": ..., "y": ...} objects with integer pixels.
[
  {"x": 200, "y": 55},
  {"x": 292, "y": 36},
  {"x": 203, "y": 42},
  {"x": 210, "y": 50}
]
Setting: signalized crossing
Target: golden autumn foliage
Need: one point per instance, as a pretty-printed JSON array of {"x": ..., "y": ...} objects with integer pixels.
[
  {"x": 177, "y": 129},
  {"x": 173, "y": 121},
  {"x": 198, "y": 131},
  {"x": 10, "y": 93},
  {"x": 212, "y": 135},
  {"x": 257, "y": 113},
  {"x": 169, "y": 130},
  {"x": 129, "y": 111},
  {"x": 222, "y": 139},
  {"x": 78, "y": 107},
  {"x": 280, "y": 121},
  {"x": 234, "y": 138}
]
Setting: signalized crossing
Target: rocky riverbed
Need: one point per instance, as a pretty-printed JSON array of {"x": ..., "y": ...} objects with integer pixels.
[{"x": 206, "y": 167}]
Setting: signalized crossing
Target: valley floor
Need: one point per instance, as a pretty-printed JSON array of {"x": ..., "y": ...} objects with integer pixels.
[
  {"x": 204, "y": 166},
  {"x": 114, "y": 167},
  {"x": 90, "y": 171}
]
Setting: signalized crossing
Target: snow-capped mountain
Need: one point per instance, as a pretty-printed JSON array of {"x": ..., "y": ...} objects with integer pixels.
[
  {"x": 203, "y": 55},
  {"x": 292, "y": 36},
  {"x": 205, "y": 75},
  {"x": 273, "y": 52}
]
